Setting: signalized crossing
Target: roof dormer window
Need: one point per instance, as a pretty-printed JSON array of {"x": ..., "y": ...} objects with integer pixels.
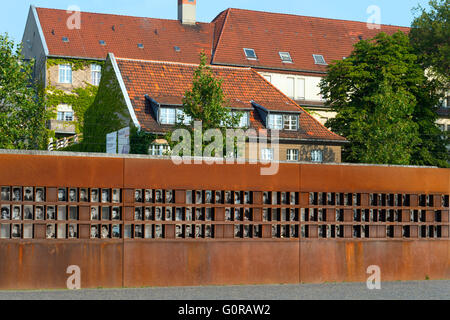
[
  {"x": 319, "y": 59},
  {"x": 285, "y": 57},
  {"x": 250, "y": 54}
]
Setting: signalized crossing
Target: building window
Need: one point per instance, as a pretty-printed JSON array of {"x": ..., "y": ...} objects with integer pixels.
[
  {"x": 183, "y": 117},
  {"x": 64, "y": 113},
  {"x": 167, "y": 115},
  {"x": 267, "y": 154},
  {"x": 65, "y": 73},
  {"x": 244, "y": 121},
  {"x": 317, "y": 156},
  {"x": 275, "y": 122},
  {"x": 268, "y": 78},
  {"x": 292, "y": 155},
  {"x": 291, "y": 88},
  {"x": 301, "y": 89},
  {"x": 96, "y": 73},
  {"x": 285, "y": 57},
  {"x": 319, "y": 59},
  {"x": 159, "y": 149},
  {"x": 290, "y": 122},
  {"x": 250, "y": 54},
  {"x": 65, "y": 116}
]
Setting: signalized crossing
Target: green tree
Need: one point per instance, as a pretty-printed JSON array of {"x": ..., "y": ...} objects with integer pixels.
[
  {"x": 205, "y": 102},
  {"x": 22, "y": 113},
  {"x": 430, "y": 36},
  {"x": 385, "y": 104}
]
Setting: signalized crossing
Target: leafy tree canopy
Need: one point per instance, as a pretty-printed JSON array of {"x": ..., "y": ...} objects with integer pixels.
[
  {"x": 206, "y": 102},
  {"x": 384, "y": 104},
  {"x": 22, "y": 113},
  {"x": 430, "y": 36}
]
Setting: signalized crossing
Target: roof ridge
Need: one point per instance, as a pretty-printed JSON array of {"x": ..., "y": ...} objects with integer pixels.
[
  {"x": 183, "y": 64},
  {"x": 221, "y": 33},
  {"x": 119, "y": 15},
  {"x": 303, "y": 16}
]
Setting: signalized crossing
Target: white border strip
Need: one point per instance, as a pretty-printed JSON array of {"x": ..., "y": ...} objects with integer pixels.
[
  {"x": 124, "y": 90},
  {"x": 39, "y": 26}
]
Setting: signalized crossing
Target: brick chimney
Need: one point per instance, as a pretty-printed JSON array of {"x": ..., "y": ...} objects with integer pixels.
[{"x": 187, "y": 11}]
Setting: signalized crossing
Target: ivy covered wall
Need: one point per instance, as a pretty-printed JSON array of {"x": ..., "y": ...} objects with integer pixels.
[{"x": 108, "y": 113}]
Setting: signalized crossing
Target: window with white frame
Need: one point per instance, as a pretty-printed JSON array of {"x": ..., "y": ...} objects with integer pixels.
[
  {"x": 275, "y": 121},
  {"x": 285, "y": 57},
  {"x": 300, "y": 89},
  {"x": 292, "y": 155},
  {"x": 317, "y": 156},
  {"x": 266, "y": 154},
  {"x": 250, "y": 54},
  {"x": 65, "y": 73},
  {"x": 291, "y": 122},
  {"x": 291, "y": 87},
  {"x": 167, "y": 115},
  {"x": 96, "y": 73},
  {"x": 244, "y": 121},
  {"x": 64, "y": 113},
  {"x": 158, "y": 149},
  {"x": 268, "y": 77},
  {"x": 183, "y": 117}
]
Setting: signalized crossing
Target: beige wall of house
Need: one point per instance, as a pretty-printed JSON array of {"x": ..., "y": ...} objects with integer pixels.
[
  {"x": 79, "y": 78},
  {"x": 330, "y": 154}
]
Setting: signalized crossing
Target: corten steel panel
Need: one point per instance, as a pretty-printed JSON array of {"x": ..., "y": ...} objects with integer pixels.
[
  {"x": 364, "y": 200},
  {"x": 445, "y": 231},
  {"x": 331, "y": 215},
  {"x": 348, "y": 178},
  {"x": 140, "y": 173},
  {"x": 257, "y": 215},
  {"x": 445, "y": 215},
  {"x": 414, "y": 232},
  {"x": 328, "y": 261},
  {"x": 54, "y": 171},
  {"x": 180, "y": 196},
  {"x": 84, "y": 213},
  {"x": 210, "y": 263},
  {"x": 430, "y": 216},
  {"x": 406, "y": 216},
  {"x": 43, "y": 264},
  {"x": 52, "y": 194}
]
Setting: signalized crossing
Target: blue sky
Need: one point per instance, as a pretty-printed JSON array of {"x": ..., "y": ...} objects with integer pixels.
[{"x": 397, "y": 12}]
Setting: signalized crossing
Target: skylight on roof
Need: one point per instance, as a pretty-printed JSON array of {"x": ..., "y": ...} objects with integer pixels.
[
  {"x": 250, "y": 54},
  {"x": 102, "y": 42},
  {"x": 285, "y": 57},
  {"x": 140, "y": 46},
  {"x": 177, "y": 49},
  {"x": 319, "y": 59},
  {"x": 65, "y": 39}
]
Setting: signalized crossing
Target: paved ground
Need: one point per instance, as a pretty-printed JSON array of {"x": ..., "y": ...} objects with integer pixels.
[{"x": 427, "y": 290}]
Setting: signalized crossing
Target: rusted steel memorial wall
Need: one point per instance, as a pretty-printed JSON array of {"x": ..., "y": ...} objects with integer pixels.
[{"x": 134, "y": 221}]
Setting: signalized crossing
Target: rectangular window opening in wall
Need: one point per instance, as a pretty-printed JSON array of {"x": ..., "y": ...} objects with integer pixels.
[
  {"x": 167, "y": 116},
  {"x": 250, "y": 54},
  {"x": 285, "y": 57},
  {"x": 292, "y": 155},
  {"x": 65, "y": 73},
  {"x": 96, "y": 72},
  {"x": 291, "y": 122}
]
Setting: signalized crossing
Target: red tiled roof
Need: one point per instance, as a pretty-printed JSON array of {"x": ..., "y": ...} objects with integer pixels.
[
  {"x": 271, "y": 33},
  {"x": 158, "y": 36},
  {"x": 167, "y": 82},
  {"x": 228, "y": 34}
]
